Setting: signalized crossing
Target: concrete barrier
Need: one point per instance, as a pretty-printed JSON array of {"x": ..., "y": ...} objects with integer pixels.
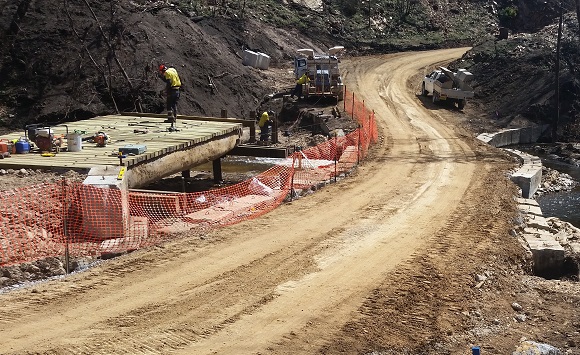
[
  {"x": 547, "y": 253},
  {"x": 514, "y": 136},
  {"x": 529, "y": 175}
]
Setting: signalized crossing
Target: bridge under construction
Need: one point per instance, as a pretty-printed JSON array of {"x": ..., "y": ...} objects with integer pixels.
[{"x": 146, "y": 146}]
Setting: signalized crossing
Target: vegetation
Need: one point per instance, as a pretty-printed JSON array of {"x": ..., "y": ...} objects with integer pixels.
[{"x": 380, "y": 23}]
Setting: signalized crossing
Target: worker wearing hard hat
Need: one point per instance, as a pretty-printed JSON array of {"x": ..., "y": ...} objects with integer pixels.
[
  {"x": 304, "y": 79},
  {"x": 264, "y": 124},
  {"x": 173, "y": 86}
]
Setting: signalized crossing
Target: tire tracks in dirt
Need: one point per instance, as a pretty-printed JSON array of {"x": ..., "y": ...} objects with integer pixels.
[{"x": 289, "y": 281}]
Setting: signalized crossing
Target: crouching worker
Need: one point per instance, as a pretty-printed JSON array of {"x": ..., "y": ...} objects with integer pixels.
[
  {"x": 266, "y": 121},
  {"x": 298, "y": 89}
]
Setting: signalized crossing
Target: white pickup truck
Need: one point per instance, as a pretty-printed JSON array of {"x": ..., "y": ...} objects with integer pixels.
[{"x": 444, "y": 84}]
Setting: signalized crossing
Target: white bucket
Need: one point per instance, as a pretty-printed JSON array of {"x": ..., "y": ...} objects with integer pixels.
[{"x": 74, "y": 142}]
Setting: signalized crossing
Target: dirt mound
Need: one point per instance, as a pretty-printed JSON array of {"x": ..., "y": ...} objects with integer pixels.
[
  {"x": 67, "y": 61},
  {"x": 515, "y": 79}
]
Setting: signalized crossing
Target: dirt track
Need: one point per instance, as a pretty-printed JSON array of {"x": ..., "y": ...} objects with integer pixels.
[{"x": 300, "y": 279}]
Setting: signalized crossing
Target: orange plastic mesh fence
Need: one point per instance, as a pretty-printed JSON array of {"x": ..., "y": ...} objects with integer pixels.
[{"x": 83, "y": 220}]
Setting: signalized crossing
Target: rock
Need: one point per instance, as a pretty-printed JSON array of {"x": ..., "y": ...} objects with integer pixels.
[
  {"x": 14, "y": 273},
  {"x": 517, "y": 307},
  {"x": 51, "y": 266},
  {"x": 4, "y": 281},
  {"x": 532, "y": 348},
  {"x": 30, "y": 268},
  {"x": 480, "y": 278},
  {"x": 520, "y": 318}
]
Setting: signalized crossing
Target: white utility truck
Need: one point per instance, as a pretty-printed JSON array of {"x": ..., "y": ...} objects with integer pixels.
[
  {"x": 444, "y": 84},
  {"x": 323, "y": 70}
]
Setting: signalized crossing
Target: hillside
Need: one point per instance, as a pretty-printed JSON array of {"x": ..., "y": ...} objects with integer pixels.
[
  {"x": 76, "y": 59},
  {"x": 362, "y": 266}
]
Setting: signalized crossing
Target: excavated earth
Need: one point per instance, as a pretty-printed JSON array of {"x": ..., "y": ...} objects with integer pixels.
[{"x": 388, "y": 261}]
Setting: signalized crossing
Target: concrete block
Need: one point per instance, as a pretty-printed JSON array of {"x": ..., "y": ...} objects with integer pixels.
[
  {"x": 135, "y": 237},
  {"x": 485, "y": 137},
  {"x": 263, "y": 61},
  {"x": 532, "y": 134},
  {"x": 237, "y": 207},
  {"x": 548, "y": 257},
  {"x": 177, "y": 227},
  {"x": 104, "y": 203},
  {"x": 250, "y": 59},
  {"x": 530, "y": 209},
  {"x": 514, "y": 136},
  {"x": 528, "y": 180},
  {"x": 539, "y": 222},
  {"x": 156, "y": 204},
  {"x": 527, "y": 201},
  {"x": 209, "y": 215}
]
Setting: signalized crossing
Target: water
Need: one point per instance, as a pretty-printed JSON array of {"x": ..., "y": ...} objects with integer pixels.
[
  {"x": 250, "y": 166},
  {"x": 564, "y": 205}
]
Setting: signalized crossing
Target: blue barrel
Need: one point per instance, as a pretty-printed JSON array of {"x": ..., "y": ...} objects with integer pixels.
[{"x": 22, "y": 147}]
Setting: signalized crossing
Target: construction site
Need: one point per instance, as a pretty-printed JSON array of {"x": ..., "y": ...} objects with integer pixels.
[
  {"x": 110, "y": 212},
  {"x": 386, "y": 221}
]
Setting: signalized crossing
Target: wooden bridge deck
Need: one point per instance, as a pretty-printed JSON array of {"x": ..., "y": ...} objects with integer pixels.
[{"x": 145, "y": 129}]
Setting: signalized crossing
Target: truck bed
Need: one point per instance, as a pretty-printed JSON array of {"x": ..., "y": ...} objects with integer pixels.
[{"x": 452, "y": 93}]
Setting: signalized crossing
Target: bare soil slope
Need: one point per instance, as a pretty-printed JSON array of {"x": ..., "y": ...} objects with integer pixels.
[
  {"x": 383, "y": 261},
  {"x": 64, "y": 60}
]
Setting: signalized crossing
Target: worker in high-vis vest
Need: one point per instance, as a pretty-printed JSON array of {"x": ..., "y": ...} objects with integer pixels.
[
  {"x": 264, "y": 124},
  {"x": 304, "y": 79},
  {"x": 172, "y": 88}
]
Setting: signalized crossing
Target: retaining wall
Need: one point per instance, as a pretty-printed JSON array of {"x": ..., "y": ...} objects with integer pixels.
[
  {"x": 514, "y": 136},
  {"x": 529, "y": 175},
  {"x": 547, "y": 253}
]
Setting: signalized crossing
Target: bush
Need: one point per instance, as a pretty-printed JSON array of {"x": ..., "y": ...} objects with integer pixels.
[{"x": 507, "y": 14}]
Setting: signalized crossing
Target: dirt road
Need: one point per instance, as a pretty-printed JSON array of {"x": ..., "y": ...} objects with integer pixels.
[{"x": 300, "y": 279}]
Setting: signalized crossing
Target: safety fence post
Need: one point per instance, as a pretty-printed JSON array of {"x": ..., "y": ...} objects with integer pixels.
[
  {"x": 344, "y": 92},
  {"x": 335, "y": 154},
  {"x": 64, "y": 227},
  {"x": 352, "y": 113},
  {"x": 359, "y": 139},
  {"x": 292, "y": 178}
]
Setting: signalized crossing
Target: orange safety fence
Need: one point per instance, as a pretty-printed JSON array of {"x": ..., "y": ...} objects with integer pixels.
[{"x": 79, "y": 220}]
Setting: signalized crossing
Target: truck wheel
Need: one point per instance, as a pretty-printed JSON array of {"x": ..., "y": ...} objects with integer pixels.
[
  {"x": 461, "y": 104},
  {"x": 423, "y": 90}
]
